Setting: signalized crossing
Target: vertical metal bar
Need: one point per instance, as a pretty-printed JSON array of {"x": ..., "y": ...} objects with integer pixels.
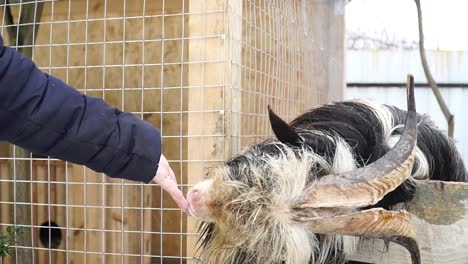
[
  {"x": 48, "y": 159},
  {"x": 48, "y": 211},
  {"x": 223, "y": 79},
  {"x": 182, "y": 61},
  {"x": 67, "y": 206},
  {"x": 14, "y": 197},
  {"x": 85, "y": 174},
  {"x": 123, "y": 109},
  {"x": 142, "y": 188},
  {"x": 161, "y": 227},
  {"x": 14, "y": 160},
  {"x": 104, "y": 180},
  {"x": 33, "y": 51},
  {"x": 161, "y": 241}
]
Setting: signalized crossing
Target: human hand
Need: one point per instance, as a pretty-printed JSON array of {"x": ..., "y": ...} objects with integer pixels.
[{"x": 165, "y": 177}]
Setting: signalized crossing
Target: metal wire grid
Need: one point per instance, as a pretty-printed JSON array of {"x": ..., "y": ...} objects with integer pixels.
[
  {"x": 163, "y": 61},
  {"x": 276, "y": 64}
]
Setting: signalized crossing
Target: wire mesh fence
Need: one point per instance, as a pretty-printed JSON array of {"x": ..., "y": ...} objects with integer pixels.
[{"x": 202, "y": 72}]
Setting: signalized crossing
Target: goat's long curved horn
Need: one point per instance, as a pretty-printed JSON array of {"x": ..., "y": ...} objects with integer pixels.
[
  {"x": 378, "y": 223},
  {"x": 368, "y": 185}
]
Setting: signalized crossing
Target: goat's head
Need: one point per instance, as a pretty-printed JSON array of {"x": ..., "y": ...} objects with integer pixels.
[{"x": 268, "y": 202}]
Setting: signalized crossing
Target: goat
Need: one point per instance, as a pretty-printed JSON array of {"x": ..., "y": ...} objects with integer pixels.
[{"x": 333, "y": 174}]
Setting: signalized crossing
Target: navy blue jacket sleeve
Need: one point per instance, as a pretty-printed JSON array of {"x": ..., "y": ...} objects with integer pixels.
[{"x": 42, "y": 114}]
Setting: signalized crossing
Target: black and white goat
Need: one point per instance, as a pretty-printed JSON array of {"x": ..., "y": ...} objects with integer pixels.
[{"x": 330, "y": 176}]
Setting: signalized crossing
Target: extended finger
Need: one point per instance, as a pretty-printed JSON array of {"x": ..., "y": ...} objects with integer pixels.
[{"x": 179, "y": 198}]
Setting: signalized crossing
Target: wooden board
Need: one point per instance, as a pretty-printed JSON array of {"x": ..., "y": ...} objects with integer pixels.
[
  {"x": 207, "y": 107},
  {"x": 440, "y": 215}
]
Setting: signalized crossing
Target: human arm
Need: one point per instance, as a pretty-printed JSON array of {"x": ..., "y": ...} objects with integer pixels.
[
  {"x": 46, "y": 116},
  {"x": 42, "y": 114}
]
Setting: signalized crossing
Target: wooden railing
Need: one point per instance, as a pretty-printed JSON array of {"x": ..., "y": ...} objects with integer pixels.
[{"x": 440, "y": 216}]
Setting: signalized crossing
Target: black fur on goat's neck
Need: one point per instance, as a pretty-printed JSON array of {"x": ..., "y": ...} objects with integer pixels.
[
  {"x": 360, "y": 128},
  {"x": 358, "y": 125},
  {"x": 351, "y": 121},
  {"x": 445, "y": 162}
]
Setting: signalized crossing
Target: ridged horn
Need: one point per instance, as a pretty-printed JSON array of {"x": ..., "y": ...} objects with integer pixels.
[{"x": 394, "y": 226}]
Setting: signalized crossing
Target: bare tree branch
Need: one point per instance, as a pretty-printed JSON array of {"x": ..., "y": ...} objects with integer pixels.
[{"x": 430, "y": 79}]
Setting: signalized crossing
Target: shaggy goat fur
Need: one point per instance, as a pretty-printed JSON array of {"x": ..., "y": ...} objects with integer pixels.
[{"x": 253, "y": 195}]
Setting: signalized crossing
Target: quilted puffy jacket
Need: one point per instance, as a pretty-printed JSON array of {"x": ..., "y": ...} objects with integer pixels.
[{"x": 42, "y": 114}]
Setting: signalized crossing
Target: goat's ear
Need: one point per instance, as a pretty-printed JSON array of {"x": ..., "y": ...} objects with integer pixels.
[{"x": 282, "y": 130}]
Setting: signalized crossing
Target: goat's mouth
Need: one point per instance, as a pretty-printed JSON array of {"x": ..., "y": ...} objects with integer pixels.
[
  {"x": 199, "y": 198},
  {"x": 364, "y": 187}
]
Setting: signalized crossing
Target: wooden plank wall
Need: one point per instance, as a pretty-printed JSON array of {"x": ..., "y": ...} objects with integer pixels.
[{"x": 207, "y": 102}]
